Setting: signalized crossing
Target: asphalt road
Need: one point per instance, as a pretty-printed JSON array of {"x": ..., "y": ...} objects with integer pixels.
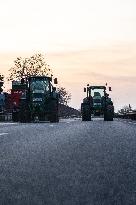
[{"x": 68, "y": 163}]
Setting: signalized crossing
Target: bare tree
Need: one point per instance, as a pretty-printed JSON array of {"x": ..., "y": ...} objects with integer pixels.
[
  {"x": 65, "y": 96},
  {"x": 35, "y": 66},
  {"x": 24, "y": 67}
]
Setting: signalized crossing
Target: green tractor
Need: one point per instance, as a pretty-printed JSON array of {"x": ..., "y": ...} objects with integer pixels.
[
  {"x": 97, "y": 103},
  {"x": 35, "y": 99}
]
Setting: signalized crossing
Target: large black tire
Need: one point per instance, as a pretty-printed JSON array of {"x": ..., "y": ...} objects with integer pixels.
[
  {"x": 86, "y": 117},
  {"x": 86, "y": 113},
  {"x": 108, "y": 118},
  {"x": 54, "y": 118},
  {"x": 54, "y": 111},
  {"x": 24, "y": 112},
  {"x": 109, "y": 113},
  {"x": 15, "y": 116},
  {"x": 24, "y": 116}
]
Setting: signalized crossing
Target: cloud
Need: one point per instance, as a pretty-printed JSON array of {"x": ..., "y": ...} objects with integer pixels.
[{"x": 98, "y": 76}]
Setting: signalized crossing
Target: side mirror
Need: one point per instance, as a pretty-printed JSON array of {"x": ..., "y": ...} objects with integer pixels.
[
  {"x": 22, "y": 81},
  {"x": 51, "y": 77},
  {"x": 1, "y": 90},
  {"x": 54, "y": 89},
  {"x": 106, "y": 95},
  {"x": 110, "y": 89},
  {"x": 84, "y": 90},
  {"x": 1, "y": 83},
  {"x": 56, "y": 81}
]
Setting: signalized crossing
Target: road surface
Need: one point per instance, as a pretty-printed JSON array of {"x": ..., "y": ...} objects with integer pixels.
[{"x": 68, "y": 163}]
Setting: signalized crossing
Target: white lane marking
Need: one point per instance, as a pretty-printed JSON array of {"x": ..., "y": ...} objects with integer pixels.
[
  {"x": 3, "y": 134},
  {"x": 8, "y": 123},
  {"x": 51, "y": 125},
  {"x": 132, "y": 123},
  {"x": 128, "y": 122}
]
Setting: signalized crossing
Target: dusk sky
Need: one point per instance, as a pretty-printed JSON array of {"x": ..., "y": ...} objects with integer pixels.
[{"x": 85, "y": 41}]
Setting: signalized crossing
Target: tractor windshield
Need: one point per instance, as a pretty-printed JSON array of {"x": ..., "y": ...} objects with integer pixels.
[
  {"x": 39, "y": 88},
  {"x": 98, "y": 96},
  {"x": 97, "y": 93},
  {"x": 40, "y": 85}
]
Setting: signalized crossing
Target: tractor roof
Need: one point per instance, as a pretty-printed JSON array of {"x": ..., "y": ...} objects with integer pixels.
[
  {"x": 16, "y": 85},
  {"x": 97, "y": 87},
  {"x": 39, "y": 77}
]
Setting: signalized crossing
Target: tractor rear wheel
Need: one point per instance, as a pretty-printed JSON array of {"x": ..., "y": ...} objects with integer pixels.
[
  {"x": 86, "y": 117},
  {"x": 86, "y": 113},
  {"x": 54, "y": 118},
  {"x": 54, "y": 112},
  {"x": 15, "y": 116},
  {"x": 109, "y": 113},
  {"x": 24, "y": 116}
]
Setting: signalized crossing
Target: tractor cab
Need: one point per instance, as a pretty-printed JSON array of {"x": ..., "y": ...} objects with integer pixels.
[
  {"x": 97, "y": 94},
  {"x": 39, "y": 87}
]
